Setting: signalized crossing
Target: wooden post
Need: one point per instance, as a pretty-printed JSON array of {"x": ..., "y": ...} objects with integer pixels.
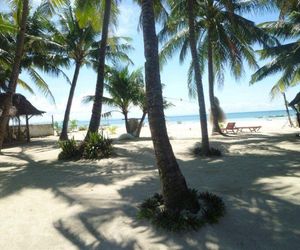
[
  {"x": 19, "y": 128},
  {"x": 53, "y": 124},
  {"x": 27, "y": 129},
  {"x": 8, "y": 133}
]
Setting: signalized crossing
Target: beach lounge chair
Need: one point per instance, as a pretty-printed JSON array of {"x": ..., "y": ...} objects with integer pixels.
[
  {"x": 230, "y": 128},
  {"x": 251, "y": 129}
]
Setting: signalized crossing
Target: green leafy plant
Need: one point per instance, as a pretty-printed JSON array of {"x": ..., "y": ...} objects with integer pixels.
[
  {"x": 112, "y": 130},
  {"x": 213, "y": 207},
  {"x": 70, "y": 150},
  {"x": 97, "y": 147},
  {"x": 73, "y": 125},
  {"x": 82, "y": 128},
  {"x": 209, "y": 210}
]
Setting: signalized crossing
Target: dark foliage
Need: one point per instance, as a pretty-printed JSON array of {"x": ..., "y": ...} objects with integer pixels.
[
  {"x": 70, "y": 150},
  {"x": 210, "y": 209},
  {"x": 198, "y": 151},
  {"x": 97, "y": 147}
]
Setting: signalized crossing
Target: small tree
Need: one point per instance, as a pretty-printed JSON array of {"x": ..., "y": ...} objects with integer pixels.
[{"x": 125, "y": 89}]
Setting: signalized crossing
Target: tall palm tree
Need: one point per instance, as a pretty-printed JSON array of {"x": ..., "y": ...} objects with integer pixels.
[
  {"x": 198, "y": 78},
  {"x": 37, "y": 54},
  {"x": 22, "y": 9},
  {"x": 15, "y": 71},
  {"x": 78, "y": 43},
  {"x": 174, "y": 188},
  {"x": 285, "y": 58},
  {"x": 223, "y": 39},
  {"x": 108, "y": 6},
  {"x": 183, "y": 14}
]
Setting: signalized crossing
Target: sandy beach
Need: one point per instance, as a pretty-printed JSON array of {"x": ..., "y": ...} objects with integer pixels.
[{"x": 48, "y": 204}]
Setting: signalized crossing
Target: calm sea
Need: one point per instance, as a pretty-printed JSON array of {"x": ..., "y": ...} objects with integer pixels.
[{"x": 195, "y": 118}]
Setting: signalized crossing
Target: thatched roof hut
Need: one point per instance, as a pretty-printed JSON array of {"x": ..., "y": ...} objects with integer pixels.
[{"x": 21, "y": 107}]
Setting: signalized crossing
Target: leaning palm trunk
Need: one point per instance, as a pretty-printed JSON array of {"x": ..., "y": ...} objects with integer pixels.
[
  {"x": 174, "y": 188},
  {"x": 287, "y": 109},
  {"x": 97, "y": 106},
  {"x": 4, "y": 119},
  {"x": 214, "y": 109},
  {"x": 141, "y": 123},
  {"x": 64, "y": 131},
  {"x": 200, "y": 94}
]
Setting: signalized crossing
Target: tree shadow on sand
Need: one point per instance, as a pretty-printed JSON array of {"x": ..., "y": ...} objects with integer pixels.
[{"x": 262, "y": 205}]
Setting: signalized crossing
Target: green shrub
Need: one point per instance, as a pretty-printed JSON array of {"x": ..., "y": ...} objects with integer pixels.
[
  {"x": 97, "y": 147},
  {"x": 198, "y": 151},
  {"x": 70, "y": 150},
  {"x": 73, "y": 125},
  {"x": 82, "y": 128},
  {"x": 210, "y": 209},
  {"x": 112, "y": 130}
]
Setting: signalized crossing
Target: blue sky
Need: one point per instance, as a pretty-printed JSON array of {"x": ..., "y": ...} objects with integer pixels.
[{"x": 234, "y": 96}]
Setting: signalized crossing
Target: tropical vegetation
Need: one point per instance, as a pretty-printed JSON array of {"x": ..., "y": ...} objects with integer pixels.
[
  {"x": 125, "y": 89},
  {"x": 59, "y": 34},
  {"x": 284, "y": 57}
]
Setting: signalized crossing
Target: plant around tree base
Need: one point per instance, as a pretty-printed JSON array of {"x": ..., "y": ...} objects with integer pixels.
[
  {"x": 211, "y": 209},
  {"x": 213, "y": 152}
]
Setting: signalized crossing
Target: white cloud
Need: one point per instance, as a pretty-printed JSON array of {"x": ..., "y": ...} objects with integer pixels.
[{"x": 128, "y": 19}]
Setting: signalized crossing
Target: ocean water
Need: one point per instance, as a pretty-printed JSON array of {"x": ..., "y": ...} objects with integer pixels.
[{"x": 239, "y": 116}]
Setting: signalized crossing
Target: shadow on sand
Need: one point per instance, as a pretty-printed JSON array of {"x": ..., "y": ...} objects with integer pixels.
[{"x": 262, "y": 206}]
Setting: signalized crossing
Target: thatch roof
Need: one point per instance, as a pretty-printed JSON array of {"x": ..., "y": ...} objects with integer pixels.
[{"x": 23, "y": 106}]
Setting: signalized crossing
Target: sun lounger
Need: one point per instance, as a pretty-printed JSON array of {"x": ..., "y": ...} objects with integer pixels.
[
  {"x": 230, "y": 128},
  {"x": 251, "y": 129}
]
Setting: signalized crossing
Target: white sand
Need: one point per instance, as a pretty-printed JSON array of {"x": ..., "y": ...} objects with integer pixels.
[{"x": 46, "y": 204}]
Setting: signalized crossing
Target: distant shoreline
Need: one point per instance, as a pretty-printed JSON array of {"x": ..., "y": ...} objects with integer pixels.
[{"x": 232, "y": 116}]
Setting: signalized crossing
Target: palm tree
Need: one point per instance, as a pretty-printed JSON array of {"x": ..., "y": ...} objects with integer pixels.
[
  {"x": 22, "y": 8},
  {"x": 223, "y": 39},
  {"x": 77, "y": 45},
  {"x": 174, "y": 188},
  {"x": 295, "y": 104},
  {"x": 284, "y": 57},
  {"x": 286, "y": 104},
  {"x": 15, "y": 72},
  {"x": 124, "y": 88},
  {"x": 97, "y": 106},
  {"x": 183, "y": 13},
  {"x": 198, "y": 78}
]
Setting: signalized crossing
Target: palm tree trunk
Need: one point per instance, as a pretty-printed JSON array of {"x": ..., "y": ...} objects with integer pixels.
[
  {"x": 64, "y": 131},
  {"x": 126, "y": 122},
  {"x": 138, "y": 131},
  {"x": 214, "y": 111},
  {"x": 174, "y": 188},
  {"x": 7, "y": 104},
  {"x": 200, "y": 94},
  {"x": 287, "y": 109},
  {"x": 97, "y": 106}
]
